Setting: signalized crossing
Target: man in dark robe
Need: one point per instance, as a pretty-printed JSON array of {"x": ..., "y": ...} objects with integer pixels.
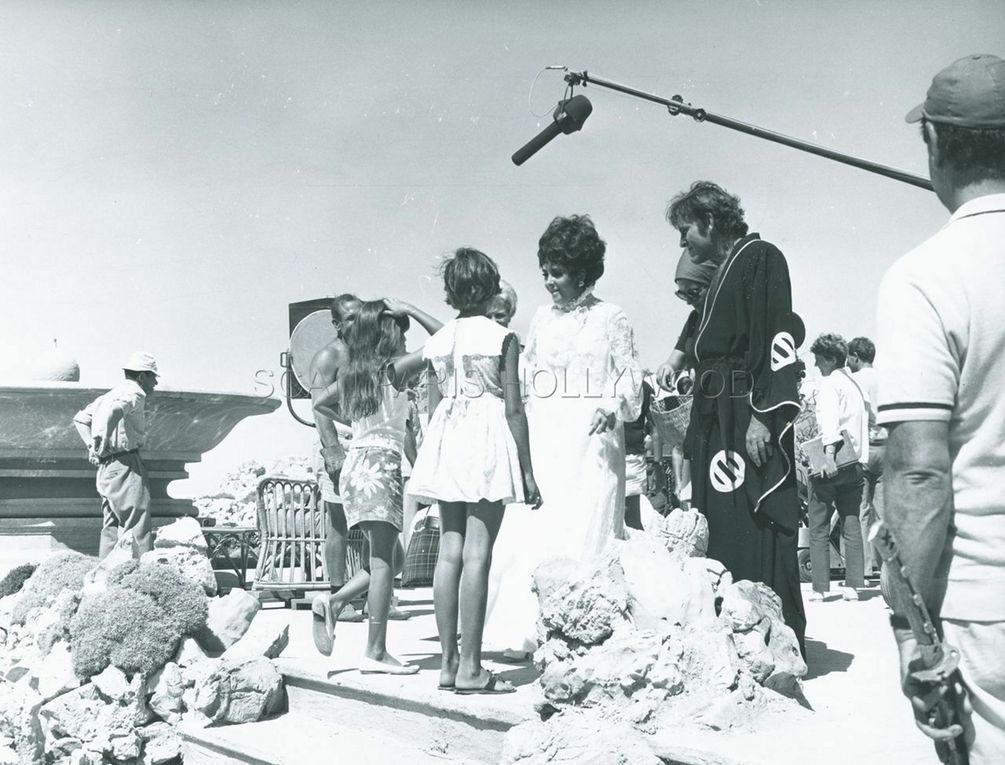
[{"x": 740, "y": 440}]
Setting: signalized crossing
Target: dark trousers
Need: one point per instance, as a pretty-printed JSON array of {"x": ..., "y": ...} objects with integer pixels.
[{"x": 843, "y": 494}]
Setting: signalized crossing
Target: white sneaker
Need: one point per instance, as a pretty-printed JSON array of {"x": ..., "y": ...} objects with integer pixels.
[
  {"x": 849, "y": 593},
  {"x": 816, "y": 597}
]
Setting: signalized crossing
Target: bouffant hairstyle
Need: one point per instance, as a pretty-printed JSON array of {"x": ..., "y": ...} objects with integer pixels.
[
  {"x": 864, "y": 348},
  {"x": 574, "y": 244},
  {"x": 470, "y": 279},
  {"x": 831, "y": 346},
  {"x": 705, "y": 198}
]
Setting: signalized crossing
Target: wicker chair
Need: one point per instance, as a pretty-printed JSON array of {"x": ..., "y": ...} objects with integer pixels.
[{"x": 291, "y": 519}]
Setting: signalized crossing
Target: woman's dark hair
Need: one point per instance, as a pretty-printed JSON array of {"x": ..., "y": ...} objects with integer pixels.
[
  {"x": 372, "y": 341},
  {"x": 705, "y": 198},
  {"x": 864, "y": 348},
  {"x": 470, "y": 279},
  {"x": 832, "y": 347},
  {"x": 574, "y": 244},
  {"x": 975, "y": 154}
]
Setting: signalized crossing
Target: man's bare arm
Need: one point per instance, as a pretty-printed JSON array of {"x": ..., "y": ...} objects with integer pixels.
[
  {"x": 324, "y": 396},
  {"x": 918, "y": 497}
]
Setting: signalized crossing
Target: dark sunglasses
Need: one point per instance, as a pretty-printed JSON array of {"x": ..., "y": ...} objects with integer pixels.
[{"x": 691, "y": 294}]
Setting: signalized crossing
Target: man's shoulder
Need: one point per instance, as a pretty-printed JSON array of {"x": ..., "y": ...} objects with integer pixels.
[{"x": 327, "y": 361}]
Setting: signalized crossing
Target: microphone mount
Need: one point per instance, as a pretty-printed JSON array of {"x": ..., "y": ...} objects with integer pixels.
[{"x": 676, "y": 106}]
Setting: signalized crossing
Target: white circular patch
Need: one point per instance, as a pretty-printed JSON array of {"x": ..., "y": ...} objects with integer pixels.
[
  {"x": 726, "y": 472},
  {"x": 783, "y": 351}
]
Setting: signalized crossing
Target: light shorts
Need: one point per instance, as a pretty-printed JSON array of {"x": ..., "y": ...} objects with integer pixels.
[{"x": 635, "y": 475}]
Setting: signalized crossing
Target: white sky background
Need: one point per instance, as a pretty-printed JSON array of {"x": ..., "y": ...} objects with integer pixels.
[{"x": 173, "y": 174}]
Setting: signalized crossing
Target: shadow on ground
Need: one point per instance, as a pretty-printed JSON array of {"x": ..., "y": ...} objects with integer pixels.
[{"x": 821, "y": 660}]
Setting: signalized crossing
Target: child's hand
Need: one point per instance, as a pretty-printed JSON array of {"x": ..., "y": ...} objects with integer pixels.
[
  {"x": 397, "y": 308},
  {"x": 532, "y": 493}
]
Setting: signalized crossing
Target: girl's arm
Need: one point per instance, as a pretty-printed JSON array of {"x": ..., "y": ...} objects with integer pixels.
[
  {"x": 516, "y": 417},
  {"x": 432, "y": 389},
  {"x": 404, "y": 368},
  {"x": 401, "y": 308}
]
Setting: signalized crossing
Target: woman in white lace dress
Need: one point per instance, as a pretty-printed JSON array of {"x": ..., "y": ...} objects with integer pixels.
[{"x": 583, "y": 381}]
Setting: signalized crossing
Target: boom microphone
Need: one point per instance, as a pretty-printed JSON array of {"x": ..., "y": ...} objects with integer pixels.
[{"x": 570, "y": 114}]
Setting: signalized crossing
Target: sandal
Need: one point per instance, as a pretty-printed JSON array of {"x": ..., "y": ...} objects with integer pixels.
[
  {"x": 494, "y": 686},
  {"x": 322, "y": 625}
]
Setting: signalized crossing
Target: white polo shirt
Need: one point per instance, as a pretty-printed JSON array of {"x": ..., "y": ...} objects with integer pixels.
[
  {"x": 942, "y": 331},
  {"x": 841, "y": 405},
  {"x": 131, "y": 431}
]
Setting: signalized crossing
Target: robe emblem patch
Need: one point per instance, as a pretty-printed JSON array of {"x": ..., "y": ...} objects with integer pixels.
[
  {"x": 783, "y": 351},
  {"x": 726, "y": 471}
]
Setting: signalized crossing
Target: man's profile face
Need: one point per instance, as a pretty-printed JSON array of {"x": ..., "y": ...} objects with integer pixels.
[
  {"x": 696, "y": 241},
  {"x": 349, "y": 312},
  {"x": 147, "y": 381}
]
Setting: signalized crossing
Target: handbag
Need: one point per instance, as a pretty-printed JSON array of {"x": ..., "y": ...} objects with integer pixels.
[{"x": 423, "y": 550}]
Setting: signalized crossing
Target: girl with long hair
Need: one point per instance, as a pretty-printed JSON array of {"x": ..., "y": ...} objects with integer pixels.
[
  {"x": 371, "y": 394},
  {"x": 475, "y": 459}
]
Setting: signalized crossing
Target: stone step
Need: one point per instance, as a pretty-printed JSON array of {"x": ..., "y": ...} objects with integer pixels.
[
  {"x": 435, "y": 722},
  {"x": 364, "y": 720},
  {"x": 298, "y": 739}
]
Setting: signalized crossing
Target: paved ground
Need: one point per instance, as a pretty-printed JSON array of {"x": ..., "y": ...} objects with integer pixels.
[{"x": 858, "y": 714}]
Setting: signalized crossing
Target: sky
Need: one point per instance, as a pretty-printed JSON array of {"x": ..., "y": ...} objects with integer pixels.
[{"x": 174, "y": 174}]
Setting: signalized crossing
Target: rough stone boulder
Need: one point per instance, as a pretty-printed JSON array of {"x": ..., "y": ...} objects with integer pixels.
[
  {"x": 230, "y": 618},
  {"x": 166, "y": 700},
  {"x": 659, "y": 586},
  {"x": 184, "y": 532},
  {"x": 19, "y": 705},
  {"x": 586, "y": 609},
  {"x": 192, "y": 563},
  {"x": 766, "y": 645},
  {"x": 239, "y": 691},
  {"x": 161, "y": 744},
  {"x": 261, "y": 639},
  {"x": 684, "y": 532}
]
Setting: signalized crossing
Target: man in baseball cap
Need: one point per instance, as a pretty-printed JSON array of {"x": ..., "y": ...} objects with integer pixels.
[
  {"x": 113, "y": 427},
  {"x": 942, "y": 329}
]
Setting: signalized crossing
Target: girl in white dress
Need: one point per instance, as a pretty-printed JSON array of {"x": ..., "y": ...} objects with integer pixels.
[
  {"x": 474, "y": 459},
  {"x": 584, "y": 381}
]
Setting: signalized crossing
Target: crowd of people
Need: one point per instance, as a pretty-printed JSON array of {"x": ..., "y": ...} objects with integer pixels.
[{"x": 532, "y": 447}]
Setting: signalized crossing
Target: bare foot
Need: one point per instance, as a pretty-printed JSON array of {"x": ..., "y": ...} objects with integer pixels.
[
  {"x": 448, "y": 674},
  {"x": 387, "y": 665}
]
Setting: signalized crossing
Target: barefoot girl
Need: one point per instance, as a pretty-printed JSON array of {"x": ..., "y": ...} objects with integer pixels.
[{"x": 371, "y": 395}]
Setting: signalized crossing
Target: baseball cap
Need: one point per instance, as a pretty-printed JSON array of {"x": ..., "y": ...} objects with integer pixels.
[
  {"x": 141, "y": 362},
  {"x": 970, "y": 92}
]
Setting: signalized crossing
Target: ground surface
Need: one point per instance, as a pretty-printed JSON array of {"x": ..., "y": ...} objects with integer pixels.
[{"x": 858, "y": 714}]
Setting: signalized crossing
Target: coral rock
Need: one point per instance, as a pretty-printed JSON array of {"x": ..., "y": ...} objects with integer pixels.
[
  {"x": 168, "y": 689},
  {"x": 162, "y": 744},
  {"x": 261, "y": 639},
  {"x": 184, "y": 532},
  {"x": 684, "y": 532},
  {"x": 587, "y": 609},
  {"x": 192, "y": 563},
  {"x": 55, "y": 675},
  {"x": 229, "y": 618},
  {"x": 189, "y": 652},
  {"x": 240, "y": 692}
]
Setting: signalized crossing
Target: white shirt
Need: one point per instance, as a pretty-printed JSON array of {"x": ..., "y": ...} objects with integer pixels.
[
  {"x": 942, "y": 330},
  {"x": 841, "y": 406},
  {"x": 131, "y": 431}
]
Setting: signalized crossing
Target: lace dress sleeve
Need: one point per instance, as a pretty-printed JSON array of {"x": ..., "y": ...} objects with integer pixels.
[{"x": 627, "y": 372}]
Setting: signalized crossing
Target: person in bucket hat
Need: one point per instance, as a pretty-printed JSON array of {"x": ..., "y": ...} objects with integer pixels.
[
  {"x": 942, "y": 327},
  {"x": 113, "y": 427}
]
